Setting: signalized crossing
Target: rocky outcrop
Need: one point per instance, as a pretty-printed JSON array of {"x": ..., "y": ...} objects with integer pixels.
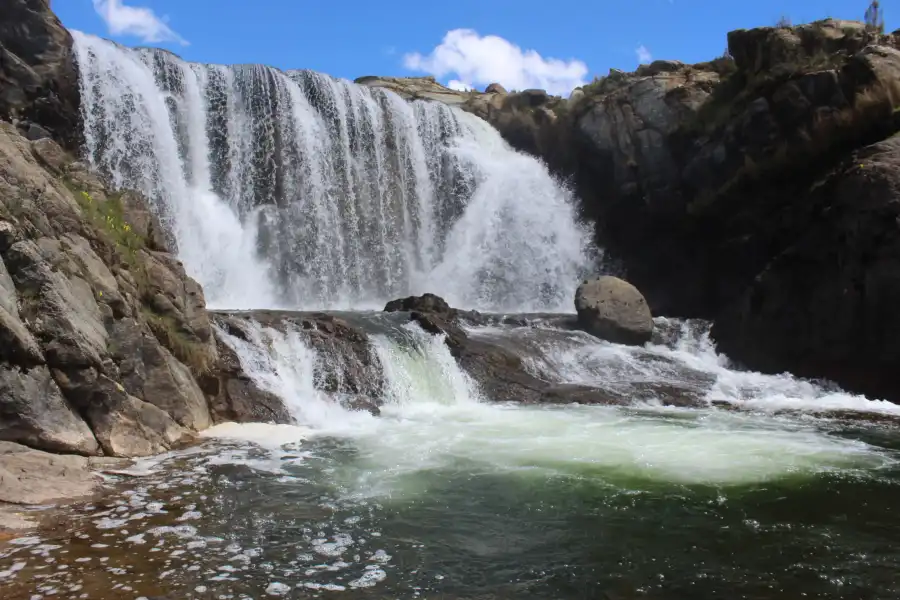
[
  {"x": 38, "y": 76},
  {"x": 104, "y": 333},
  {"x": 415, "y": 88},
  {"x": 613, "y": 310}
]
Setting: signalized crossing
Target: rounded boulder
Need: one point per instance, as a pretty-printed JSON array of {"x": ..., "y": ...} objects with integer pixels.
[{"x": 614, "y": 310}]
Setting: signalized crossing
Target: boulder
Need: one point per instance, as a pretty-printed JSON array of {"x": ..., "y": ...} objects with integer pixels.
[
  {"x": 33, "y": 412},
  {"x": 123, "y": 425},
  {"x": 614, "y": 310},
  {"x": 150, "y": 372},
  {"x": 426, "y": 303},
  {"x": 495, "y": 88}
]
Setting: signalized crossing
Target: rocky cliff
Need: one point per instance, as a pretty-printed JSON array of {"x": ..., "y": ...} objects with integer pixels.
[{"x": 754, "y": 189}]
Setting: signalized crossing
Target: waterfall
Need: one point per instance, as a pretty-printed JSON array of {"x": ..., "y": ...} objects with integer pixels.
[{"x": 298, "y": 190}]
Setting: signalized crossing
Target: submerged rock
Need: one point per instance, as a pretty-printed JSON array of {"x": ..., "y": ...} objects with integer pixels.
[{"x": 614, "y": 310}]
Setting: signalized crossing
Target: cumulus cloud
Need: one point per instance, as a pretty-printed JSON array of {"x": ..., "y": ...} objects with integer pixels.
[
  {"x": 643, "y": 54},
  {"x": 137, "y": 21},
  {"x": 471, "y": 59},
  {"x": 459, "y": 86}
]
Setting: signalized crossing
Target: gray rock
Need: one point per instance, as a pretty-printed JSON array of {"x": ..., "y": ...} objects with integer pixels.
[
  {"x": 124, "y": 425},
  {"x": 67, "y": 318},
  {"x": 17, "y": 345},
  {"x": 151, "y": 373},
  {"x": 614, "y": 310},
  {"x": 30, "y": 476},
  {"x": 33, "y": 412}
]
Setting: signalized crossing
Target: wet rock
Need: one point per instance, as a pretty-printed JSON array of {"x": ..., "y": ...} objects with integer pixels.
[
  {"x": 348, "y": 368},
  {"x": 33, "y": 412},
  {"x": 30, "y": 476},
  {"x": 233, "y": 396},
  {"x": 614, "y": 310},
  {"x": 426, "y": 303}
]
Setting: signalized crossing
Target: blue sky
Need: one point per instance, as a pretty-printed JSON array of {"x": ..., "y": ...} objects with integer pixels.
[{"x": 526, "y": 43}]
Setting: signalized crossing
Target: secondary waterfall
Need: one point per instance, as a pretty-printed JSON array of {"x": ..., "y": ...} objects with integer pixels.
[{"x": 294, "y": 189}]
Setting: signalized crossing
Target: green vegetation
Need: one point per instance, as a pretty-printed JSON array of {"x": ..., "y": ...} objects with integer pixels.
[
  {"x": 167, "y": 331},
  {"x": 109, "y": 218}
]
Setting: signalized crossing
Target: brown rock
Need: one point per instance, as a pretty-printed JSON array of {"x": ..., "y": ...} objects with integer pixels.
[
  {"x": 613, "y": 310},
  {"x": 32, "y": 477}
]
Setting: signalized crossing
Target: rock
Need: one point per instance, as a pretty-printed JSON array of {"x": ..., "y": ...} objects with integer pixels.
[
  {"x": 150, "y": 372},
  {"x": 66, "y": 317},
  {"x": 33, "y": 412},
  {"x": 17, "y": 345},
  {"x": 826, "y": 305},
  {"x": 38, "y": 74},
  {"x": 32, "y": 477},
  {"x": 660, "y": 66},
  {"x": 234, "y": 397},
  {"x": 426, "y": 303},
  {"x": 136, "y": 211},
  {"x": 122, "y": 424},
  {"x": 415, "y": 88},
  {"x": 348, "y": 368},
  {"x": 101, "y": 333},
  {"x": 613, "y": 310},
  {"x": 495, "y": 88}
]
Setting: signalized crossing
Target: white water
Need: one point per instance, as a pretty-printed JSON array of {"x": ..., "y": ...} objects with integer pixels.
[
  {"x": 297, "y": 190},
  {"x": 434, "y": 418}
]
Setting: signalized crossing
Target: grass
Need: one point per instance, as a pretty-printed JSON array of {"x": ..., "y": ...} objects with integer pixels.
[
  {"x": 166, "y": 329},
  {"x": 109, "y": 218}
]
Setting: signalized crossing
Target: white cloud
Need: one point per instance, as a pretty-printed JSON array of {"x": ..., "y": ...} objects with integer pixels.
[
  {"x": 459, "y": 86},
  {"x": 643, "y": 54},
  {"x": 480, "y": 60},
  {"x": 137, "y": 21}
]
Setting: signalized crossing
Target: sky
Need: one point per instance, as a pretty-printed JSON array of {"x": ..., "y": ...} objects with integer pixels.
[{"x": 554, "y": 45}]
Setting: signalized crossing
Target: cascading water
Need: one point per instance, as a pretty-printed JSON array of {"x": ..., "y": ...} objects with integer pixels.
[{"x": 299, "y": 190}]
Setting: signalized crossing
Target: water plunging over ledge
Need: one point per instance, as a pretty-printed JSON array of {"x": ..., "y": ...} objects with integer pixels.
[{"x": 297, "y": 190}]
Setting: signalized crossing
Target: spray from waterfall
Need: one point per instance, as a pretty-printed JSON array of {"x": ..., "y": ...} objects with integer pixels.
[{"x": 298, "y": 190}]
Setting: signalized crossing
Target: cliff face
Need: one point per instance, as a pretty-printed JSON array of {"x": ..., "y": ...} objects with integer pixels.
[{"x": 38, "y": 74}]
